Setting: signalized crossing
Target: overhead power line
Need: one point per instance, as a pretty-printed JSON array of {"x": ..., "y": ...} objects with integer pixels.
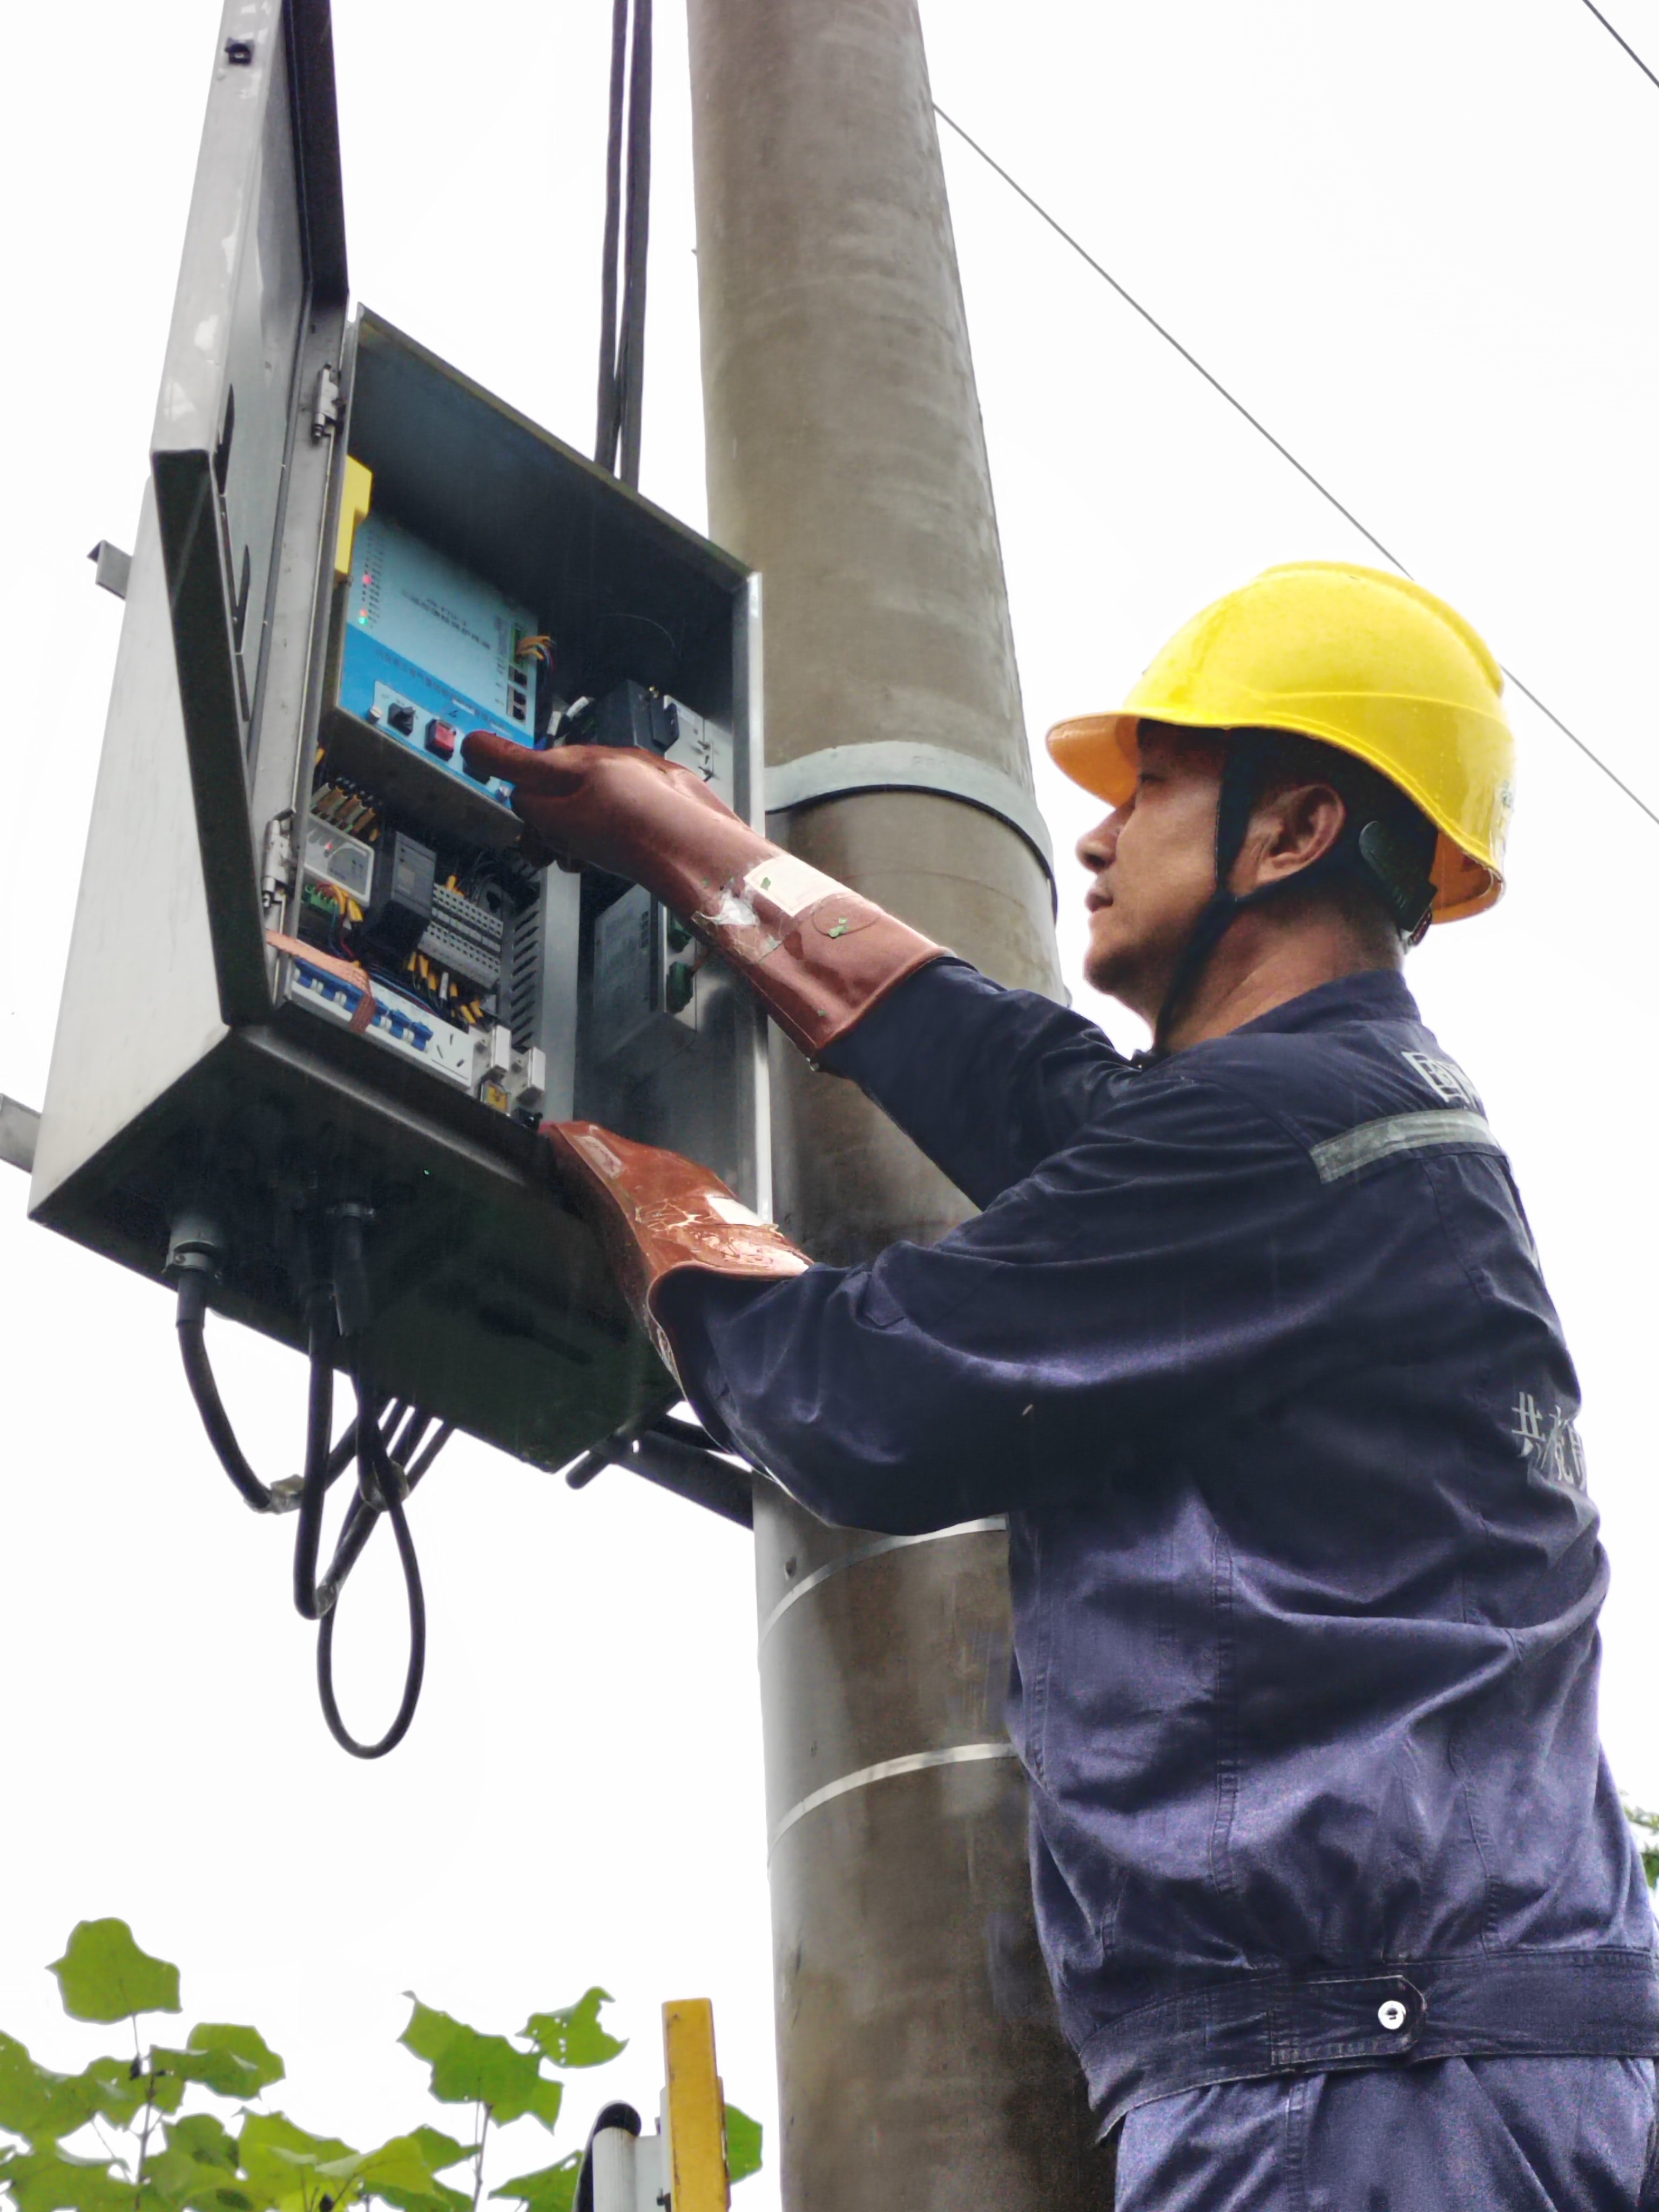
[
  {"x": 1262, "y": 429},
  {"x": 1623, "y": 41},
  {"x": 1169, "y": 338},
  {"x": 1550, "y": 714}
]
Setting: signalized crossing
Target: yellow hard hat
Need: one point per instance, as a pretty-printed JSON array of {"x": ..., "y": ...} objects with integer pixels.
[{"x": 1359, "y": 659}]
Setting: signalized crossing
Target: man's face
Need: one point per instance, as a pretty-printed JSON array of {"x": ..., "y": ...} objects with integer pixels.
[{"x": 1153, "y": 865}]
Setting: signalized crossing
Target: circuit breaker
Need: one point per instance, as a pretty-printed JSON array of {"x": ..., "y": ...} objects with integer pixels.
[{"x": 309, "y": 961}]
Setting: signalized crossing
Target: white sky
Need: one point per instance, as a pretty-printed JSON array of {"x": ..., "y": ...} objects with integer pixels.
[{"x": 1416, "y": 240}]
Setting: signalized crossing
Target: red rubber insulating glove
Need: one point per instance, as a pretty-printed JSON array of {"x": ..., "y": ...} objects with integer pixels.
[
  {"x": 818, "y": 956},
  {"x": 658, "y": 1214}
]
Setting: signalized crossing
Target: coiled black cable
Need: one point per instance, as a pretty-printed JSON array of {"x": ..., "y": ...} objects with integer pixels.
[
  {"x": 445, "y": 1429},
  {"x": 382, "y": 1438},
  {"x": 319, "y": 1458},
  {"x": 622, "y": 352},
  {"x": 380, "y": 1487},
  {"x": 323, "y": 1464},
  {"x": 199, "y": 1373}
]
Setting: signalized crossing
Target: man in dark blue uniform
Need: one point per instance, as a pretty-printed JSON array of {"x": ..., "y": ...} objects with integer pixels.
[{"x": 1250, "y": 1343}]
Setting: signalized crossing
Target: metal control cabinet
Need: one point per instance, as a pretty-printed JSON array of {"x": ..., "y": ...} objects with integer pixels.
[{"x": 198, "y": 1064}]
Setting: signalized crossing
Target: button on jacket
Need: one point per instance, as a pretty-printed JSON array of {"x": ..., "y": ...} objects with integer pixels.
[{"x": 1251, "y": 1345}]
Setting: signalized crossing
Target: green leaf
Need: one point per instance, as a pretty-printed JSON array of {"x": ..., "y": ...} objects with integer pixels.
[
  {"x": 471, "y": 2068},
  {"x": 293, "y": 2169},
  {"x": 553, "y": 2189},
  {"x": 437, "y": 2151},
  {"x": 182, "y": 2180},
  {"x": 169, "y": 2070},
  {"x": 542, "y": 2103},
  {"x": 204, "y": 2137},
  {"x": 222, "y": 2059},
  {"x": 112, "y": 2089},
  {"x": 44, "y": 2106},
  {"x": 181, "y": 2185},
  {"x": 574, "y": 2037},
  {"x": 398, "y": 2164},
  {"x": 36, "y": 2103},
  {"x": 440, "y": 2150},
  {"x": 743, "y": 2144},
  {"x": 283, "y": 2161},
  {"x": 397, "y": 2172},
  {"x": 245, "y": 2045},
  {"x": 222, "y": 2071},
  {"x": 269, "y": 2143},
  {"x": 51, "y": 2181},
  {"x": 104, "y": 1976},
  {"x": 441, "y": 2198}
]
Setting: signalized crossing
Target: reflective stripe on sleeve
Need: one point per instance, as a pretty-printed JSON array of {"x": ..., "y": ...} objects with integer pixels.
[{"x": 1400, "y": 1133}]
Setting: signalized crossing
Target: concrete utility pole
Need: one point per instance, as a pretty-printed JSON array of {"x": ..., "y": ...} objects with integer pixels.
[{"x": 921, "y": 2070}]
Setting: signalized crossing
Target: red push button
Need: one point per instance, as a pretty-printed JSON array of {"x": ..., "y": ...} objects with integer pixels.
[{"x": 441, "y": 738}]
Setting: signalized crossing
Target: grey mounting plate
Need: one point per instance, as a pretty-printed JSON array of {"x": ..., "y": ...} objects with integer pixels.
[
  {"x": 20, "y": 1126},
  {"x": 111, "y": 568}
]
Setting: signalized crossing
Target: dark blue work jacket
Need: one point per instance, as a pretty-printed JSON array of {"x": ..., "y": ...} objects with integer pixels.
[{"x": 1252, "y": 1346}]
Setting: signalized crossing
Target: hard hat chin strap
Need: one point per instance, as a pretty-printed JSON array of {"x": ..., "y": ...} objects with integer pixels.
[{"x": 1369, "y": 849}]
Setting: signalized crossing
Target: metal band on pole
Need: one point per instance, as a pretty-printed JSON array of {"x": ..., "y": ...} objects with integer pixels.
[
  {"x": 899, "y": 764},
  {"x": 995, "y": 1523},
  {"x": 914, "y": 1762}
]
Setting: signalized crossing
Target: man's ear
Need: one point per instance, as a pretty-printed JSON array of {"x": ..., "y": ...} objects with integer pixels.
[{"x": 1298, "y": 826}]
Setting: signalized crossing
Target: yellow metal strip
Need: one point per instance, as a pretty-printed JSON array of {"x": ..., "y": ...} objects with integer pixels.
[
  {"x": 696, "y": 2108},
  {"x": 353, "y": 506}
]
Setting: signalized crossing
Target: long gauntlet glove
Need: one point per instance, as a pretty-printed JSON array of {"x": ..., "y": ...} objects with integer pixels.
[
  {"x": 659, "y": 1214},
  {"x": 816, "y": 954}
]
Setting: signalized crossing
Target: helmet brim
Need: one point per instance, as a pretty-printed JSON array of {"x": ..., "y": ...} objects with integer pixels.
[{"x": 1099, "y": 752}]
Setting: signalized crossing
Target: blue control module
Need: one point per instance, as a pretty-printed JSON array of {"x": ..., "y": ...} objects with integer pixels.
[{"x": 431, "y": 652}]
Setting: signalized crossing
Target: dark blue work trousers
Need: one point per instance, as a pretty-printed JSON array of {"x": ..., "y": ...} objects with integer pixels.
[{"x": 1456, "y": 2134}]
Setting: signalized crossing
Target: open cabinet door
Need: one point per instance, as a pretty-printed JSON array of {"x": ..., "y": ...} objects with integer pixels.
[{"x": 240, "y": 449}]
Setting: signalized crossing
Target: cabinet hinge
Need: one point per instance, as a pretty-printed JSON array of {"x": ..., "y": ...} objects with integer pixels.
[
  {"x": 325, "y": 412},
  {"x": 277, "y": 875}
]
